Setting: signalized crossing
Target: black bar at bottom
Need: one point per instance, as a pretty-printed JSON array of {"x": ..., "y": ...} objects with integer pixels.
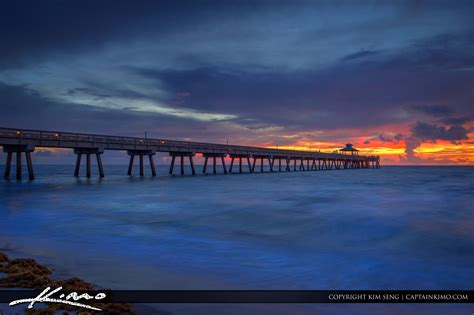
[{"x": 261, "y": 296}]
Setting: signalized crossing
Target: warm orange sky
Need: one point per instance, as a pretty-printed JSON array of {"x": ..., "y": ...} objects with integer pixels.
[
  {"x": 393, "y": 152},
  {"x": 437, "y": 153}
]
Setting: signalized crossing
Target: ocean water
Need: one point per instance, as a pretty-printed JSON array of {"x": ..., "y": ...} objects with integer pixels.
[{"x": 390, "y": 228}]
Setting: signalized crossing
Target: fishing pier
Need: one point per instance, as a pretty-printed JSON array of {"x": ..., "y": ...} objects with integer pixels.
[{"x": 243, "y": 159}]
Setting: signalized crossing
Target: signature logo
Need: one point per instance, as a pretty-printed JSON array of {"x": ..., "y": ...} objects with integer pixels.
[{"x": 71, "y": 299}]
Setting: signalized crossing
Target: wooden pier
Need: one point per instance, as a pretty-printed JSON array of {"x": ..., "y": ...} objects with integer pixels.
[{"x": 23, "y": 141}]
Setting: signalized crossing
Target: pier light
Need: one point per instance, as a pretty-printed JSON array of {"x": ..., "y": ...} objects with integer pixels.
[
  {"x": 18, "y": 132},
  {"x": 349, "y": 149},
  {"x": 162, "y": 142},
  {"x": 56, "y": 135}
]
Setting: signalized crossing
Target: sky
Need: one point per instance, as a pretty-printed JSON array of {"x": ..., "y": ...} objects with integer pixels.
[{"x": 394, "y": 78}]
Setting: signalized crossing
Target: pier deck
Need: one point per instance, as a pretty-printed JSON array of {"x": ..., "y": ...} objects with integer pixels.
[{"x": 25, "y": 141}]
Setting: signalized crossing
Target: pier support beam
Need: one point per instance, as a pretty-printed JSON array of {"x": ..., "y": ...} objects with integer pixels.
[
  {"x": 214, "y": 157},
  {"x": 8, "y": 165},
  {"x": 323, "y": 165},
  {"x": 19, "y": 149},
  {"x": 332, "y": 164},
  {"x": 240, "y": 157},
  {"x": 152, "y": 165},
  {"x": 78, "y": 165},
  {"x": 99, "y": 164},
  {"x": 301, "y": 165},
  {"x": 231, "y": 164},
  {"x": 130, "y": 164},
  {"x": 314, "y": 167},
  {"x": 181, "y": 156},
  {"x": 141, "y": 154},
  {"x": 141, "y": 165},
  {"x": 88, "y": 152},
  {"x": 223, "y": 164},
  {"x": 88, "y": 164},
  {"x": 18, "y": 165},
  {"x": 253, "y": 165},
  {"x": 262, "y": 157}
]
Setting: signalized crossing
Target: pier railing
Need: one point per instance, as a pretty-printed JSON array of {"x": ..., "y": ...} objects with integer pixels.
[{"x": 25, "y": 140}]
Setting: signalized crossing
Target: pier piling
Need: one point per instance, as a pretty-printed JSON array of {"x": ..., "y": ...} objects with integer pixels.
[
  {"x": 141, "y": 165},
  {"x": 99, "y": 165},
  {"x": 214, "y": 157},
  {"x": 19, "y": 149},
  {"x": 88, "y": 164},
  {"x": 8, "y": 165},
  {"x": 181, "y": 156},
  {"x": 88, "y": 152},
  {"x": 141, "y": 154},
  {"x": 18, "y": 165},
  {"x": 152, "y": 165}
]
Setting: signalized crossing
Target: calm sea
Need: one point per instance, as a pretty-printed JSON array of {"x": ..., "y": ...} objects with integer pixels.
[{"x": 392, "y": 228}]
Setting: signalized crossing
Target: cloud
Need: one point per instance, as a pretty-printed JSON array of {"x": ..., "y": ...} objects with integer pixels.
[
  {"x": 445, "y": 51},
  {"x": 23, "y": 107},
  {"x": 411, "y": 143},
  {"x": 294, "y": 35},
  {"x": 422, "y": 131},
  {"x": 432, "y": 110},
  {"x": 360, "y": 54},
  {"x": 37, "y": 30},
  {"x": 398, "y": 137},
  {"x": 325, "y": 99},
  {"x": 446, "y": 115},
  {"x": 426, "y": 131},
  {"x": 461, "y": 120},
  {"x": 387, "y": 137}
]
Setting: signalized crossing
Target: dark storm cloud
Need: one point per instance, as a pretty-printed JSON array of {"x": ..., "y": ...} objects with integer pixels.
[
  {"x": 432, "y": 110},
  {"x": 360, "y": 54},
  {"x": 35, "y": 30},
  {"x": 426, "y": 131},
  {"x": 304, "y": 99},
  {"x": 88, "y": 91},
  {"x": 457, "y": 120},
  {"x": 366, "y": 94},
  {"x": 389, "y": 138},
  {"x": 32, "y": 29},
  {"x": 446, "y": 114},
  {"x": 438, "y": 51}
]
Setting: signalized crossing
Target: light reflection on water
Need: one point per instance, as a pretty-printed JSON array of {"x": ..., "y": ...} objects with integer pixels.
[{"x": 393, "y": 228}]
